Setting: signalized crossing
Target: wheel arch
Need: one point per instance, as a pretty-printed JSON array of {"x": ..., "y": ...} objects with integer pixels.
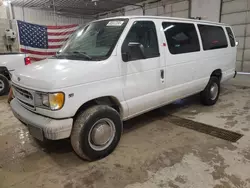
[
  {"x": 105, "y": 100},
  {"x": 217, "y": 73}
]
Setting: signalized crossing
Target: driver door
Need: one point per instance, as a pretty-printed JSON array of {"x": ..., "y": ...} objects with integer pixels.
[{"x": 142, "y": 68}]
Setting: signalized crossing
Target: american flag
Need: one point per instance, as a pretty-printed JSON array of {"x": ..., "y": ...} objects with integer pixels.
[{"x": 40, "y": 42}]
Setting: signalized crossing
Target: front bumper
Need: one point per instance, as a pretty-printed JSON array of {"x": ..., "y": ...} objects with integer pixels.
[{"x": 40, "y": 126}]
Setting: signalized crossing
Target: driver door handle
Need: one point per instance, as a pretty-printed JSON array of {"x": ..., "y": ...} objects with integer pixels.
[{"x": 162, "y": 74}]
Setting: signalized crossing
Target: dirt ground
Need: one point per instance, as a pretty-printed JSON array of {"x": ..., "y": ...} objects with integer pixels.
[{"x": 152, "y": 153}]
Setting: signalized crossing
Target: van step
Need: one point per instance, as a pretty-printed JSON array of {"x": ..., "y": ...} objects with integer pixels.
[{"x": 204, "y": 128}]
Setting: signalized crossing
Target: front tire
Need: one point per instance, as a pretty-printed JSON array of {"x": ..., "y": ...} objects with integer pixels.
[
  {"x": 210, "y": 94},
  {"x": 96, "y": 132},
  {"x": 4, "y": 85}
]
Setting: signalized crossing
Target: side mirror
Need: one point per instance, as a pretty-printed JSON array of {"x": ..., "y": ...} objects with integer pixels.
[{"x": 137, "y": 50}]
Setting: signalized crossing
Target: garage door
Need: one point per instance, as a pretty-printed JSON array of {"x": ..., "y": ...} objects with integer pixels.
[{"x": 236, "y": 13}]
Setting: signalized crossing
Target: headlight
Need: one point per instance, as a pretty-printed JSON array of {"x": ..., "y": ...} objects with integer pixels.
[
  {"x": 52, "y": 101},
  {"x": 56, "y": 101}
]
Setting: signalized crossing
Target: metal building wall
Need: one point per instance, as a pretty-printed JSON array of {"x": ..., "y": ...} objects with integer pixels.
[
  {"x": 4, "y": 24},
  {"x": 237, "y": 14},
  {"x": 3, "y": 12},
  {"x": 45, "y": 17},
  {"x": 176, "y": 8},
  {"x": 119, "y": 12},
  {"x": 206, "y": 9},
  {"x": 172, "y": 8}
]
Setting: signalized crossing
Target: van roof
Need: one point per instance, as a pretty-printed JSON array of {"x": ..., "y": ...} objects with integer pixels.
[{"x": 166, "y": 18}]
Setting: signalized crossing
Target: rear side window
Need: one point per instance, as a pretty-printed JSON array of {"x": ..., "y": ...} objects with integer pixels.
[
  {"x": 231, "y": 36},
  {"x": 213, "y": 37},
  {"x": 181, "y": 37}
]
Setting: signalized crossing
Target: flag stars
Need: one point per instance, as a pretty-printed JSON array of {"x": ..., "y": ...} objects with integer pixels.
[{"x": 32, "y": 35}]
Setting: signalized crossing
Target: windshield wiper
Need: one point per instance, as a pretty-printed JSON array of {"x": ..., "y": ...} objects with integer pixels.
[{"x": 82, "y": 54}]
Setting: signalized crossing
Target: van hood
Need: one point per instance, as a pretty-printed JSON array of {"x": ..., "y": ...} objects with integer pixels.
[{"x": 53, "y": 74}]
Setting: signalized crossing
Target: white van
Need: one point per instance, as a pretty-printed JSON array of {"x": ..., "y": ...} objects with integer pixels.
[{"x": 118, "y": 68}]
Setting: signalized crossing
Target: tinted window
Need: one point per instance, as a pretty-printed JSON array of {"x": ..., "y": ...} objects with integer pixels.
[
  {"x": 142, "y": 32},
  {"x": 181, "y": 37},
  {"x": 213, "y": 37},
  {"x": 231, "y": 36}
]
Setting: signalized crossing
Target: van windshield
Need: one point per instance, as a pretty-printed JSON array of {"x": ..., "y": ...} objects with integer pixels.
[{"x": 93, "y": 42}]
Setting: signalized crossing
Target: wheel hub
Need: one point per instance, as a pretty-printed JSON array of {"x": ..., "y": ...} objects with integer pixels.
[
  {"x": 1, "y": 85},
  {"x": 101, "y": 134},
  {"x": 214, "y": 91}
]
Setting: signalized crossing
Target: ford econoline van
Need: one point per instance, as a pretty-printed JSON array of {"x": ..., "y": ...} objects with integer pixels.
[{"x": 117, "y": 68}]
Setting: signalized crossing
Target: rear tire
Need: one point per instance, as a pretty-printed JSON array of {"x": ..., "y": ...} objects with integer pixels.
[
  {"x": 4, "y": 85},
  {"x": 210, "y": 94},
  {"x": 96, "y": 132}
]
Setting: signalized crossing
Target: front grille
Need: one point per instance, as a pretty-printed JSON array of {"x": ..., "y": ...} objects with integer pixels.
[
  {"x": 27, "y": 105},
  {"x": 24, "y": 93},
  {"x": 25, "y": 97}
]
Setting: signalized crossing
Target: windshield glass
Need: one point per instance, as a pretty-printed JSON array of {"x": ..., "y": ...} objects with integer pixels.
[{"x": 95, "y": 41}]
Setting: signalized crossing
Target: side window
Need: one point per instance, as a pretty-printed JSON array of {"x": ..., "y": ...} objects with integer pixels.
[
  {"x": 142, "y": 36},
  {"x": 181, "y": 37},
  {"x": 213, "y": 37},
  {"x": 231, "y": 36}
]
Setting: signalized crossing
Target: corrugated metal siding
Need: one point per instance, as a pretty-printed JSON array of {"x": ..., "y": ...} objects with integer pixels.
[
  {"x": 168, "y": 8},
  {"x": 45, "y": 17},
  {"x": 174, "y": 8},
  {"x": 206, "y": 9},
  {"x": 3, "y": 12},
  {"x": 133, "y": 11},
  {"x": 112, "y": 14},
  {"x": 237, "y": 14},
  {"x": 4, "y": 24}
]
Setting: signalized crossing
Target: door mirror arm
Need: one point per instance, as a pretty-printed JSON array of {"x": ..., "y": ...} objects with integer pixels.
[{"x": 125, "y": 56}]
